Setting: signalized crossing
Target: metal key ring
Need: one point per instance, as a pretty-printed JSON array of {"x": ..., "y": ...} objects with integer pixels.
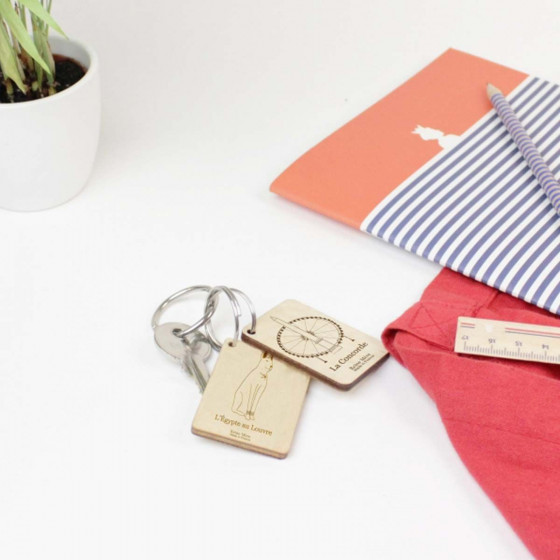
[
  {"x": 211, "y": 303},
  {"x": 208, "y": 310},
  {"x": 251, "y": 309}
]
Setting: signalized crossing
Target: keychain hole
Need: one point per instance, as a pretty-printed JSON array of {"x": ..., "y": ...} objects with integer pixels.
[
  {"x": 231, "y": 344},
  {"x": 251, "y": 331}
]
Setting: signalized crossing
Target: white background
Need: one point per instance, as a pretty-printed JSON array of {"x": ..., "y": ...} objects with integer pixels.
[{"x": 205, "y": 103}]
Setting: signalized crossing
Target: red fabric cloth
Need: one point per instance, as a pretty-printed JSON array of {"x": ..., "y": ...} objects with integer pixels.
[{"x": 502, "y": 416}]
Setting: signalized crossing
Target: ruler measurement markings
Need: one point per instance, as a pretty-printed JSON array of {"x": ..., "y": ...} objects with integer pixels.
[{"x": 505, "y": 339}]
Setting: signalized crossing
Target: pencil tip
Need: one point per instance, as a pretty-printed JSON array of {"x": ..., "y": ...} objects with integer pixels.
[{"x": 491, "y": 90}]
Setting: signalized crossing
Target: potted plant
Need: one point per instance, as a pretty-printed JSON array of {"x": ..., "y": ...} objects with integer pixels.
[{"x": 49, "y": 109}]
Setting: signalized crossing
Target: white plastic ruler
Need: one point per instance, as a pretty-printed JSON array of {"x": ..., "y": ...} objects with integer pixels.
[{"x": 513, "y": 341}]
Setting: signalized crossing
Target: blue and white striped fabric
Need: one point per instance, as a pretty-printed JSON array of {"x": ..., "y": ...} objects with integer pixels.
[{"x": 478, "y": 209}]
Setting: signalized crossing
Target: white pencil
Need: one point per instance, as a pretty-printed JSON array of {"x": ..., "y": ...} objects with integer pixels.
[{"x": 526, "y": 146}]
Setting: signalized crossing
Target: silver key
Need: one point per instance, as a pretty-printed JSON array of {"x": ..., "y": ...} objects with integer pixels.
[
  {"x": 196, "y": 353},
  {"x": 166, "y": 339},
  {"x": 191, "y": 352}
]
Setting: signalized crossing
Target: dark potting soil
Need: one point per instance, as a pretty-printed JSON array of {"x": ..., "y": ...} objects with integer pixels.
[{"x": 68, "y": 72}]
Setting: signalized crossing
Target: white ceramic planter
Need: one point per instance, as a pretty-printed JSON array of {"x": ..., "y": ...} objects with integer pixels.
[{"x": 47, "y": 146}]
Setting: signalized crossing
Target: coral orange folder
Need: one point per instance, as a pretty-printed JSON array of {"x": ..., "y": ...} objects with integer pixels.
[{"x": 431, "y": 168}]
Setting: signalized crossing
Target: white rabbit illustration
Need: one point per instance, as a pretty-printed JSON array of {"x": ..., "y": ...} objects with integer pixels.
[{"x": 444, "y": 140}]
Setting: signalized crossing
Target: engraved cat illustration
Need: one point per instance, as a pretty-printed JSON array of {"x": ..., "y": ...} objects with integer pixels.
[{"x": 249, "y": 393}]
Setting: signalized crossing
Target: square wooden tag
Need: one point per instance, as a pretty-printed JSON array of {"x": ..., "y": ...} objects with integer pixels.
[
  {"x": 323, "y": 347},
  {"x": 253, "y": 400}
]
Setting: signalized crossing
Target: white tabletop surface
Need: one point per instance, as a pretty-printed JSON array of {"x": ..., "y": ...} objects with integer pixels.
[{"x": 204, "y": 104}]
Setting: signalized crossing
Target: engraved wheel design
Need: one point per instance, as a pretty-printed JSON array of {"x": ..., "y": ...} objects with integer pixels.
[{"x": 309, "y": 337}]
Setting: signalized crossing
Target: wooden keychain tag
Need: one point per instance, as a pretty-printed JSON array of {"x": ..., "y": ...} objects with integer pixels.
[
  {"x": 253, "y": 400},
  {"x": 321, "y": 346}
]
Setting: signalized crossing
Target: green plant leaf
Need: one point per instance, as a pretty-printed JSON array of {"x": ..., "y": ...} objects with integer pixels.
[
  {"x": 40, "y": 38},
  {"x": 11, "y": 18},
  {"x": 36, "y": 7},
  {"x": 8, "y": 61}
]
